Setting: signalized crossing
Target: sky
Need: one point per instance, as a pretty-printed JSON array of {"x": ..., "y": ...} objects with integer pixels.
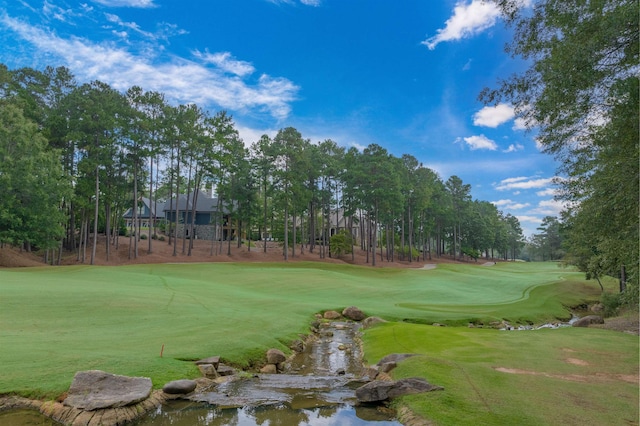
[{"x": 404, "y": 75}]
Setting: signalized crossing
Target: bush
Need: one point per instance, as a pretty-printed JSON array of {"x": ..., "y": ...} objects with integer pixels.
[
  {"x": 473, "y": 253},
  {"x": 404, "y": 252},
  {"x": 341, "y": 243},
  {"x": 143, "y": 236},
  {"x": 611, "y": 303}
]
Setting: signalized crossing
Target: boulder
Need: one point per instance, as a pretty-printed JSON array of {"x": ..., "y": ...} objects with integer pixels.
[
  {"x": 589, "y": 319},
  {"x": 95, "y": 389},
  {"x": 297, "y": 345},
  {"x": 353, "y": 313},
  {"x": 180, "y": 387},
  {"x": 370, "y": 373},
  {"x": 371, "y": 321},
  {"x": 380, "y": 390},
  {"x": 225, "y": 370},
  {"x": 275, "y": 356},
  {"x": 331, "y": 315},
  {"x": 387, "y": 366},
  {"x": 395, "y": 358},
  {"x": 269, "y": 369},
  {"x": 208, "y": 371},
  {"x": 213, "y": 360}
]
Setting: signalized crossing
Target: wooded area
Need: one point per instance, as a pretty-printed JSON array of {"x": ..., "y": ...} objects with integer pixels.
[{"x": 75, "y": 157}]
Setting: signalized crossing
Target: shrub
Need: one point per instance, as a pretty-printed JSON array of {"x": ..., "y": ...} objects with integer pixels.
[
  {"x": 611, "y": 303},
  {"x": 143, "y": 236},
  {"x": 341, "y": 243},
  {"x": 404, "y": 252}
]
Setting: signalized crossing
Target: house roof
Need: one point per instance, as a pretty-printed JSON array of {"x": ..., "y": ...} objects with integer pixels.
[
  {"x": 205, "y": 204},
  {"x": 156, "y": 208}
]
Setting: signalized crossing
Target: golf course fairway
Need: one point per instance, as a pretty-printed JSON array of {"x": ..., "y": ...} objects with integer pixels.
[{"x": 149, "y": 320}]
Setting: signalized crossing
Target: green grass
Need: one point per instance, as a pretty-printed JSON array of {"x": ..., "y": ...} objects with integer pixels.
[
  {"x": 56, "y": 321},
  {"x": 548, "y": 391}
]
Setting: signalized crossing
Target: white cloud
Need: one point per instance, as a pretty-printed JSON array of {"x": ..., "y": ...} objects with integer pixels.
[
  {"x": 52, "y": 11},
  {"x": 115, "y": 19},
  {"x": 549, "y": 207},
  {"x": 519, "y": 124},
  {"x": 226, "y": 62},
  {"x": 493, "y": 116},
  {"x": 314, "y": 3},
  {"x": 467, "y": 20},
  {"x": 180, "y": 79},
  {"x": 547, "y": 192},
  {"x": 523, "y": 183},
  {"x": 164, "y": 30},
  {"x": 480, "y": 142},
  {"x": 511, "y": 205},
  {"x": 467, "y": 66},
  {"x": 514, "y": 148},
  {"x": 142, "y": 4},
  {"x": 250, "y": 135},
  {"x": 530, "y": 219}
]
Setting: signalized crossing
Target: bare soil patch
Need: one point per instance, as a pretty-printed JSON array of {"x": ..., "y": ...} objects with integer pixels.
[
  {"x": 583, "y": 378},
  {"x": 13, "y": 258},
  {"x": 202, "y": 251},
  {"x": 576, "y": 361}
]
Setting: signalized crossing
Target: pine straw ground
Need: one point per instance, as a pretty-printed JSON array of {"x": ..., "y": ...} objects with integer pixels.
[{"x": 162, "y": 252}]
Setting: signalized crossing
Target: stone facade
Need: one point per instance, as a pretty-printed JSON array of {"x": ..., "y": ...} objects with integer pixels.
[{"x": 202, "y": 232}]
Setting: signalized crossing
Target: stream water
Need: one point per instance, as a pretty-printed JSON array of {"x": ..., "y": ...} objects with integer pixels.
[{"x": 317, "y": 388}]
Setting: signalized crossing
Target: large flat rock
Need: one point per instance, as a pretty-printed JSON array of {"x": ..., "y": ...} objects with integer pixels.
[{"x": 95, "y": 389}]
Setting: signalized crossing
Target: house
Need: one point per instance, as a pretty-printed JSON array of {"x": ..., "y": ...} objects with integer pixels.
[
  {"x": 148, "y": 212},
  {"x": 209, "y": 223}
]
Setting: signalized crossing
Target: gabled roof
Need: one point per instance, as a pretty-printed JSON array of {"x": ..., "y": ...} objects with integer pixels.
[
  {"x": 205, "y": 204},
  {"x": 156, "y": 207}
]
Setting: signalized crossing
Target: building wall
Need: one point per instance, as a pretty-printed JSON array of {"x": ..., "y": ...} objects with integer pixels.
[{"x": 202, "y": 232}]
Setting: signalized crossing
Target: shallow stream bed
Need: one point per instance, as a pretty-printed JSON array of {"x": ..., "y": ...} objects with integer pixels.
[{"x": 317, "y": 387}]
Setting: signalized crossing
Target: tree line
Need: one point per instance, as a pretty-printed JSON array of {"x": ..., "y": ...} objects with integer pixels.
[
  {"x": 74, "y": 157},
  {"x": 581, "y": 94}
]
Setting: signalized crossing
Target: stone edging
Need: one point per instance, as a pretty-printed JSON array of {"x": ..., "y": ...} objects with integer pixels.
[{"x": 76, "y": 417}]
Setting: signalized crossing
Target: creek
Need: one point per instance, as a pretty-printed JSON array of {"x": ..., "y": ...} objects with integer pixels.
[{"x": 317, "y": 387}]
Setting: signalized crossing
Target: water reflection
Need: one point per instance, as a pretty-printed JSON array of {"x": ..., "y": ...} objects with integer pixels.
[
  {"x": 189, "y": 414},
  {"x": 24, "y": 418}
]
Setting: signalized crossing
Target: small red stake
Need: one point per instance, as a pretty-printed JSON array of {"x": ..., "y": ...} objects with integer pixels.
[{"x": 161, "y": 350}]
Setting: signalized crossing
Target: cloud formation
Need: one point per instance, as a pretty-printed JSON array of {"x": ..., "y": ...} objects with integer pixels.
[
  {"x": 142, "y": 4},
  {"x": 493, "y": 116},
  {"x": 182, "y": 80},
  {"x": 314, "y": 3},
  {"x": 467, "y": 20},
  {"x": 511, "y": 205},
  {"x": 479, "y": 142},
  {"x": 523, "y": 183},
  {"x": 514, "y": 148},
  {"x": 226, "y": 63}
]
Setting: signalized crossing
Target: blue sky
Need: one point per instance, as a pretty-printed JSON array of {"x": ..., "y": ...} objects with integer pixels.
[{"x": 405, "y": 75}]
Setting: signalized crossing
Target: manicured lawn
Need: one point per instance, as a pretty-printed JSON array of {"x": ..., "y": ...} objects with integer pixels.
[
  {"x": 56, "y": 321},
  {"x": 569, "y": 376}
]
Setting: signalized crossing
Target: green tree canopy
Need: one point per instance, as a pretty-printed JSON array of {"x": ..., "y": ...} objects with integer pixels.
[{"x": 581, "y": 95}]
